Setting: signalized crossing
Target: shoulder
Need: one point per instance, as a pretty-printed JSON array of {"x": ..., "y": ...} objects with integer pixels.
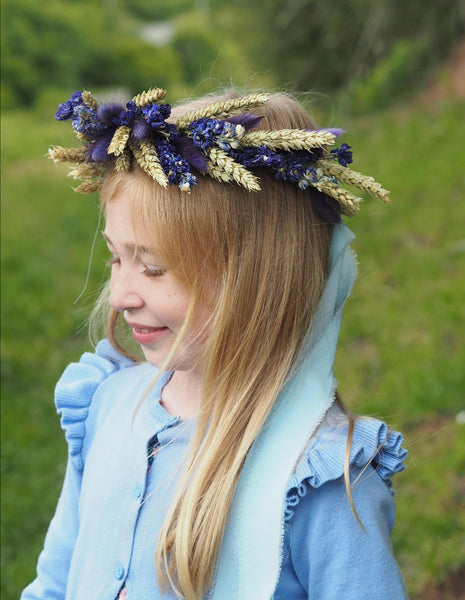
[
  {"x": 77, "y": 387},
  {"x": 375, "y": 451},
  {"x": 329, "y": 552}
]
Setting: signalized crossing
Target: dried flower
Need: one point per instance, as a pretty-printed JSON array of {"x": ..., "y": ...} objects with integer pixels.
[
  {"x": 155, "y": 114},
  {"x": 65, "y": 110},
  {"x": 206, "y": 132},
  {"x": 343, "y": 154},
  {"x": 215, "y": 140},
  {"x": 175, "y": 166},
  {"x": 85, "y": 121}
]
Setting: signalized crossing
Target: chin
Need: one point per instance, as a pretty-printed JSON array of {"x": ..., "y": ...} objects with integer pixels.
[{"x": 175, "y": 364}]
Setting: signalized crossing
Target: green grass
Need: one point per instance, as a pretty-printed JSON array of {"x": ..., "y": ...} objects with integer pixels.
[{"x": 401, "y": 355}]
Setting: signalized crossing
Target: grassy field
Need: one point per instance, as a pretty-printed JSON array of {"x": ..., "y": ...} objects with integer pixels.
[{"x": 401, "y": 355}]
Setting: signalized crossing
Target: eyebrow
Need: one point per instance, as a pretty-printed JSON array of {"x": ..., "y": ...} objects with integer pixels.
[{"x": 133, "y": 247}]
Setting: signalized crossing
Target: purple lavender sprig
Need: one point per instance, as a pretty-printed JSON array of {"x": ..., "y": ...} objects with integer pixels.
[
  {"x": 84, "y": 120},
  {"x": 99, "y": 125},
  {"x": 66, "y": 109},
  {"x": 175, "y": 166},
  {"x": 151, "y": 114},
  {"x": 343, "y": 154},
  {"x": 207, "y": 132}
]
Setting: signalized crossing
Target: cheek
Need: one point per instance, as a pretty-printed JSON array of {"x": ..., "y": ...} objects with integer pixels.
[
  {"x": 173, "y": 307},
  {"x": 112, "y": 282}
]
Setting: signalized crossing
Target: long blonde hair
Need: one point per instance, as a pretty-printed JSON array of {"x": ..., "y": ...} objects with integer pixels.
[{"x": 259, "y": 262}]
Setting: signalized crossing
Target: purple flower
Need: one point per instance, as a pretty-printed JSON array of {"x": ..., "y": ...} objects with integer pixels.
[
  {"x": 141, "y": 130},
  {"x": 261, "y": 156},
  {"x": 98, "y": 151},
  {"x": 175, "y": 166},
  {"x": 343, "y": 154},
  {"x": 191, "y": 153},
  {"x": 309, "y": 176},
  {"x": 171, "y": 131},
  {"x": 155, "y": 114},
  {"x": 145, "y": 119},
  {"x": 106, "y": 113},
  {"x": 65, "y": 109},
  {"x": 123, "y": 118},
  {"x": 334, "y": 130},
  {"x": 206, "y": 132},
  {"x": 127, "y": 116},
  {"x": 295, "y": 172},
  {"x": 186, "y": 181},
  {"x": 247, "y": 120},
  {"x": 85, "y": 121}
]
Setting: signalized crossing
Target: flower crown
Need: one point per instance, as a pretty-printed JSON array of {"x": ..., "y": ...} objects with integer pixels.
[{"x": 215, "y": 140}]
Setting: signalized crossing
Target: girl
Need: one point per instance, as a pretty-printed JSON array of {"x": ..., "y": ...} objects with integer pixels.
[{"x": 223, "y": 465}]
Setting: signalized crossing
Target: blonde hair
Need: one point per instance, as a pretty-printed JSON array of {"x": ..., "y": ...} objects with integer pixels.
[{"x": 258, "y": 262}]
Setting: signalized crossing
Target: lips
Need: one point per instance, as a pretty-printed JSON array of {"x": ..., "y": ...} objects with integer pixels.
[{"x": 147, "y": 335}]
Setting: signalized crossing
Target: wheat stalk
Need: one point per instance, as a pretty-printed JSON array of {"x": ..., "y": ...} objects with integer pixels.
[
  {"x": 232, "y": 169},
  {"x": 356, "y": 179},
  {"x": 218, "y": 174},
  {"x": 82, "y": 137},
  {"x": 348, "y": 202},
  {"x": 222, "y": 109},
  {"x": 72, "y": 155},
  {"x": 123, "y": 162},
  {"x": 147, "y": 158},
  {"x": 149, "y": 97},
  {"x": 87, "y": 170},
  {"x": 288, "y": 139},
  {"x": 119, "y": 140},
  {"x": 88, "y": 187},
  {"x": 89, "y": 100}
]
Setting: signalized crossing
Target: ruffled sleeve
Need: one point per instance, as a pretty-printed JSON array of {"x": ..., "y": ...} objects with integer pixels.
[
  {"x": 323, "y": 461},
  {"x": 75, "y": 390}
]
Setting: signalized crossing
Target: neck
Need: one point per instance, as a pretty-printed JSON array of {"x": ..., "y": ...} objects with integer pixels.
[{"x": 181, "y": 395}]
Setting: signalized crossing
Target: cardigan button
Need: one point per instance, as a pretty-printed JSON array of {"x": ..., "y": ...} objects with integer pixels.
[
  {"x": 138, "y": 491},
  {"x": 119, "y": 572}
]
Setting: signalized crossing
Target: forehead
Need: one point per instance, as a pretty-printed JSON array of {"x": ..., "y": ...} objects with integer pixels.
[
  {"x": 118, "y": 215},
  {"x": 122, "y": 225}
]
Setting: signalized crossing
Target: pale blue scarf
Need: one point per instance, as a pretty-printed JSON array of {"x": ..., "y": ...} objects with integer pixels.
[{"x": 249, "y": 560}]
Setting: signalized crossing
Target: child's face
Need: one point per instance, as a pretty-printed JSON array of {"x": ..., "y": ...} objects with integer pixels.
[{"x": 151, "y": 299}]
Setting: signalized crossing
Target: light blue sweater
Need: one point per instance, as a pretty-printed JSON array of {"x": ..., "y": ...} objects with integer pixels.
[{"x": 110, "y": 511}]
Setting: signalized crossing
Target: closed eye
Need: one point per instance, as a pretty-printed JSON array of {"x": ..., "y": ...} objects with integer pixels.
[{"x": 152, "y": 271}]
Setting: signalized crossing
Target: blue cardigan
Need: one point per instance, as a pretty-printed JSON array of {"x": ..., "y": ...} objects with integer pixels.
[{"x": 104, "y": 531}]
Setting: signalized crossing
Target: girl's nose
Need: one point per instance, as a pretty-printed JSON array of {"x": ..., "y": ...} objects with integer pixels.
[{"x": 123, "y": 295}]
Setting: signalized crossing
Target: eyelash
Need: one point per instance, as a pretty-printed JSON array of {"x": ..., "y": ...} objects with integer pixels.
[
  {"x": 153, "y": 271},
  {"x": 148, "y": 270}
]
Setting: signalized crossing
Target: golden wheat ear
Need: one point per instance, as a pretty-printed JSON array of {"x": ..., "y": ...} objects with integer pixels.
[{"x": 223, "y": 109}]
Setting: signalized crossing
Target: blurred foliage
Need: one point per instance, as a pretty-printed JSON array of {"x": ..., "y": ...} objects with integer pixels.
[
  {"x": 195, "y": 45},
  {"x": 161, "y": 10},
  {"x": 328, "y": 45},
  {"x": 77, "y": 45},
  {"x": 81, "y": 44},
  {"x": 391, "y": 78},
  {"x": 376, "y": 51}
]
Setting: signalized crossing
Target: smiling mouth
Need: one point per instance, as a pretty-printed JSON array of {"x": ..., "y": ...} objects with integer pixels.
[{"x": 148, "y": 335}]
